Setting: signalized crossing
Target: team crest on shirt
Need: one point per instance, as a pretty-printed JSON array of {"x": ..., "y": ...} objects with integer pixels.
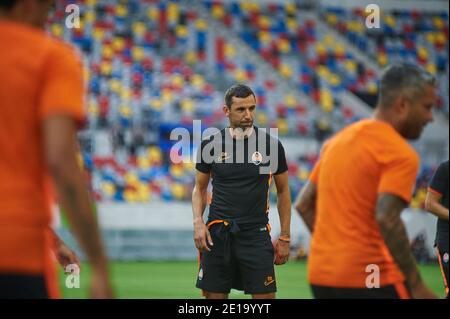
[
  {"x": 445, "y": 258},
  {"x": 200, "y": 274},
  {"x": 223, "y": 157},
  {"x": 257, "y": 158}
]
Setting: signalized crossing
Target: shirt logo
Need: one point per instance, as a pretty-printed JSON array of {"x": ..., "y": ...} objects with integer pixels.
[
  {"x": 269, "y": 281},
  {"x": 223, "y": 156},
  {"x": 200, "y": 274},
  {"x": 257, "y": 158},
  {"x": 445, "y": 258}
]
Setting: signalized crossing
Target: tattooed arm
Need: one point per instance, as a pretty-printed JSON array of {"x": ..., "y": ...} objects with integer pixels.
[
  {"x": 305, "y": 204},
  {"x": 388, "y": 210}
]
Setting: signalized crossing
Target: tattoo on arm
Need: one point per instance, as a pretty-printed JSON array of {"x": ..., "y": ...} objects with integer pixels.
[{"x": 389, "y": 208}]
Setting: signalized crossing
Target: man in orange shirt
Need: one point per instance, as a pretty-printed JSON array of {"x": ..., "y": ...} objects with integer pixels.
[
  {"x": 361, "y": 183},
  {"x": 41, "y": 103}
]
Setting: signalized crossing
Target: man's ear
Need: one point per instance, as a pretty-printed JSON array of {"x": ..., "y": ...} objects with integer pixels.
[
  {"x": 401, "y": 105},
  {"x": 226, "y": 110}
]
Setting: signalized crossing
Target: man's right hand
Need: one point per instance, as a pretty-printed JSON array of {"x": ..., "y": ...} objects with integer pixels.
[
  {"x": 421, "y": 291},
  {"x": 202, "y": 237}
]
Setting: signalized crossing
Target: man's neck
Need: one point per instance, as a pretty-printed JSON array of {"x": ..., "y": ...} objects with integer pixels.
[
  {"x": 382, "y": 115},
  {"x": 240, "y": 134}
]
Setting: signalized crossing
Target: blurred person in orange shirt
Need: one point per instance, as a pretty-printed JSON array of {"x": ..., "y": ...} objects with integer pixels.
[
  {"x": 41, "y": 106},
  {"x": 361, "y": 183}
]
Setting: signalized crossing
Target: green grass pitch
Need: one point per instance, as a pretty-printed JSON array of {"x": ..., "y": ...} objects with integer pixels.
[{"x": 176, "y": 280}]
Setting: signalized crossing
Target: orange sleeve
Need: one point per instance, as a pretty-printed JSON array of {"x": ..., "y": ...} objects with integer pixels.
[
  {"x": 314, "y": 177},
  {"x": 398, "y": 175},
  {"x": 62, "y": 84}
]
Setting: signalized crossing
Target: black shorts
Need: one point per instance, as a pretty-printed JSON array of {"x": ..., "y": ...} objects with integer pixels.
[
  {"x": 242, "y": 260},
  {"x": 443, "y": 256},
  {"x": 22, "y": 287},
  {"x": 387, "y": 292}
]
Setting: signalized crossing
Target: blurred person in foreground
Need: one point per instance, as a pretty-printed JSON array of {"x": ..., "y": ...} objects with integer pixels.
[
  {"x": 363, "y": 180},
  {"x": 41, "y": 106}
]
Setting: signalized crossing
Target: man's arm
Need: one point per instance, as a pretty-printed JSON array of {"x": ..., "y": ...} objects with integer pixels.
[
  {"x": 63, "y": 253},
  {"x": 305, "y": 204},
  {"x": 388, "y": 210},
  {"x": 284, "y": 211},
  {"x": 434, "y": 206},
  {"x": 199, "y": 201},
  {"x": 60, "y": 157}
]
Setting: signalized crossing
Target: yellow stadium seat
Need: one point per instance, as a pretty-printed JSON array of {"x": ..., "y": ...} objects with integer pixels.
[
  {"x": 286, "y": 71},
  {"x": 108, "y": 52},
  {"x": 173, "y": 13},
  {"x": 372, "y": 88},
  {"x": 218, "y": 11},
  {"x": 181, "y": 31},
  {"x": 264, "y": 22},
  {"x": 390, "y": 20},
  {"x": 115, "y": 85},
  {"x": 131, "y": 179},
  {"x": 201, "y": 25},
  {"x": 153, "y": 13},
  {"x": 156, "y": 104},
  {"x": 187, "y": 105},
  {"x": 383, "y": 59},
  {"x": 178, "y": 81},
  {"x": 291, "y": 8},
  {"x": 93, "y": 109},
  {"x": 139, "y": 28},
  {"x": 138, "y": 54},
  {"x": 331, "y": 19},
  {"x": 108, "y": 188},
  {"x": 438, "y": 23},
  {"x": 121, "y": 11},
  {"x": 89, "y": 16},
  {"x": 323, "y": 71},
  {"x": 190, "y": 57},
  {"x": 230, "y": 51},
  {"x": 329, "y": 40},
  {"x": 264, "y": 37},
  {"x": 292, "y": 24},
  {"x": 167, "y": 96},
  {"x": 262, "y": 119},
  {"x": 143, "y": 193},
  {"x": 91, "y": 3},
  {"x": 176, "y": 170},
  {"x": 125, "y": 111},
  {"x": 284, "y": 46},
  {"x": 105, "y": 68},
  {"x": 282, "y": 126},
  {"x": 320, "y": 48},
  {"x": 290, "y": 101},
  {"x": 197, "y": 81},
  {"x": 334, "y": 79},
  {"x": 57, "y": 30},
  {"x": 303, "y": 174},
  {"x": 431, "y": 67},
  {"x": 178, "y": 191},
  {"x": 143, "y": 162},
  {"x": 130, "y": 196},
  {"x": 154, "y": 154},
  {"x": 98, "y": 34},
  {"x": 240, "y": 75}
]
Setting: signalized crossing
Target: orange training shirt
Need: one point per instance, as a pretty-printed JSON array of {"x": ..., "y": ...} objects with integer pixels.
[
  {"x": 39, "y": 77},
  {"x": 356, "y": 165}
]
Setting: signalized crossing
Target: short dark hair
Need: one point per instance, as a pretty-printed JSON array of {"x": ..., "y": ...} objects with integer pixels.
[
  {"x": 237, "y": 90},
  {"x": 399, "y": 77},
  {"x": 8, "y": 4}
]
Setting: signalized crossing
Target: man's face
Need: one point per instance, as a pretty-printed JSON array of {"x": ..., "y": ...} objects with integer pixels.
[
  {"x": 418, "y": 113},
  {"x": 241, "y": 113}
]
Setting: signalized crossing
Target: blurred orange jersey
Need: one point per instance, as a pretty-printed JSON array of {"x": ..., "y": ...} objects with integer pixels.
[
  {"x": 363, "y": 160},
  {"x": 39, "y": 77}
]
